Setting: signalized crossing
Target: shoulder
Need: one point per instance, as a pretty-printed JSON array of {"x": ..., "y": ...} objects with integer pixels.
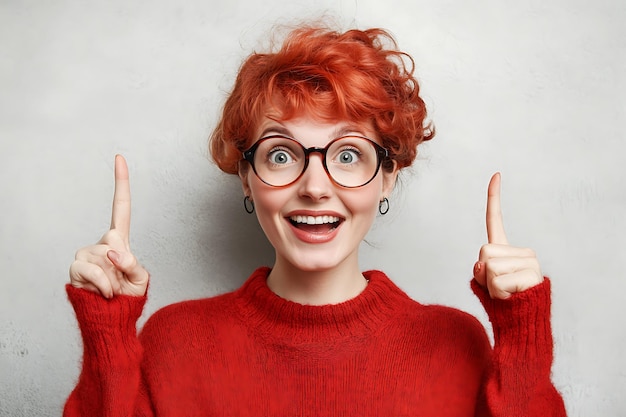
[
  {"x": 192, "y": 317},
  {"x": 202, "y": 312},
  {"x": 423, "y": 317},
  {"x": 438, "y": 327},
  {"x": 190, "y": 309},
  {"x": 442, "y": 335},
  {"x": 445, "y": 321},
  {"x": 201, "y": 318}
]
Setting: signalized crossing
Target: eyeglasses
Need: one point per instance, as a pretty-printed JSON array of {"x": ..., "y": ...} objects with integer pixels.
[{"x": 349, "y": 161}]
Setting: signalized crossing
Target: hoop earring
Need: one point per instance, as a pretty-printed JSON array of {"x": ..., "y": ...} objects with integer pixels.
[
  {"x": 248, "y": 204},
  {"x": 383, "y": 206}
]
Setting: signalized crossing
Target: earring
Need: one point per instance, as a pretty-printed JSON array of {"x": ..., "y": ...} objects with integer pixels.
[
  {"x": 383, "y": 206},
  {"x": 248, "y": 204}
]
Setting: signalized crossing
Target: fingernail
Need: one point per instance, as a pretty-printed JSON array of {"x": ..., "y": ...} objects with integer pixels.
[
  {"x": 477, "y": 267},
  {"x": 114, "y": 256}
]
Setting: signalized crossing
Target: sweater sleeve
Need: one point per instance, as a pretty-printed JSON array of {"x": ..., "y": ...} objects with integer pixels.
[
  {"x": 110, "y": 380},
  {"x": 517, "y": 382}
]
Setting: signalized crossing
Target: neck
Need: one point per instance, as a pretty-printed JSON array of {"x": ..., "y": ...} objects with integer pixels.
[{"x": 331, "y": 286}]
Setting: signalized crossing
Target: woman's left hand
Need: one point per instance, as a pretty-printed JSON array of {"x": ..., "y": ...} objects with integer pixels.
[{"x": 503, "y": 269}]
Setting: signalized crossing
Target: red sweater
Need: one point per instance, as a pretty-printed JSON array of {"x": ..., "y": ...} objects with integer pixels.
[{"x": 252, "y": 353}]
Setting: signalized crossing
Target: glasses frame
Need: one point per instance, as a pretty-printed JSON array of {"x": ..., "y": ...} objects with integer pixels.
[{"x": 381, "y": 154}]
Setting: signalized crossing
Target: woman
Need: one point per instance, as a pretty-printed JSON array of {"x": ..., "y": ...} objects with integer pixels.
[{"x": 317, "y": 131}]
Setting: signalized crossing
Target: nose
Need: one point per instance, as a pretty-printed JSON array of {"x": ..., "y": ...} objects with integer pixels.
[{"x": 315, "y": 183}]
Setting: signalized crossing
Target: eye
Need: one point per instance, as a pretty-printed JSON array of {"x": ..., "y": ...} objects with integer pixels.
[
  {"x": 348, "y": 156},
  {"x": 279, "y": 157}
]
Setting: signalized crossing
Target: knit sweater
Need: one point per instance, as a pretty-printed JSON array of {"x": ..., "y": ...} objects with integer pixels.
[{"x": 252, "y": 353}]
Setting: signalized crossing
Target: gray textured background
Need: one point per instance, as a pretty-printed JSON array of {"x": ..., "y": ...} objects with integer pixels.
[{"x": 534, "y": 89}]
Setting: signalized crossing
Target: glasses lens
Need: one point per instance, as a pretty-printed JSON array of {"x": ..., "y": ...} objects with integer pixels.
[
  {"x": 352, "y": 161},
  {"x": 278, "y": 160}
]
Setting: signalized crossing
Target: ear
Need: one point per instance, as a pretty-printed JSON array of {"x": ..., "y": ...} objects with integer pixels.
[
  {"x": 389, "y": 179},
  {"x": 243, "y": 169}
]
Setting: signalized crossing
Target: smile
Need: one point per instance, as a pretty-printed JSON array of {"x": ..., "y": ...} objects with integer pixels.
[{"x": 315, "y": 229}]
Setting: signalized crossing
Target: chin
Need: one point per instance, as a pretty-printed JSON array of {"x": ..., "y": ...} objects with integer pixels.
[{"x": 317, "y": 262}]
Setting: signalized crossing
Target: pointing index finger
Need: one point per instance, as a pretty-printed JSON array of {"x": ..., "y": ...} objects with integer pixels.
[
  {"x": 495, "y": 224},
  {"x": 120, "y": 217}
]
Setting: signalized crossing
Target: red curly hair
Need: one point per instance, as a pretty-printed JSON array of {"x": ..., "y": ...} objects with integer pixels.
[{"x": 359, "y": 75}]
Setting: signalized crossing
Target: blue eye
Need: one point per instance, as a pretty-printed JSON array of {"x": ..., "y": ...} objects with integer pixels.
[
  {"x": 279, "y": 157},
  {"x": 348, "y": 156}
]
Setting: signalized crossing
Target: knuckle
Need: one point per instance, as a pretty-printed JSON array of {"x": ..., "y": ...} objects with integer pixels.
[
  {"x": 92, "y": 273},
  {"x": 96, "y": 256},
  {"x": 83, "y": 253},
  {"x": 102, "y": 283},
  {"x": 491, "y": 267},
  {"x": 484, "y": 250},
  {"x": 99, "y": 274},
  {"x": 495, "y": 282},
  {"x": 73, "y": 272}
]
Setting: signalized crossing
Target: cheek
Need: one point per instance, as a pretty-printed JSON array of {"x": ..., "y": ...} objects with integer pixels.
[
  {"x": 364, "y": 201},
  {"x": 268, "y": 203}
]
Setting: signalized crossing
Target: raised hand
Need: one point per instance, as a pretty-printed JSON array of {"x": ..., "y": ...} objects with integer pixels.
[
  {"x": 503, "y": 269},
  {"x": 109, "y": 267}
]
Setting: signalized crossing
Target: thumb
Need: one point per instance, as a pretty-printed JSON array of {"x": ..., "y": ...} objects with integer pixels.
[
  {"x": 126, "y": 263},
  {"x": 115, "y": 257}
]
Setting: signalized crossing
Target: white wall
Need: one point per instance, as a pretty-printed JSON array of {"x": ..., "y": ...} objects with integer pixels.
[{"x": 534, "y": 89}]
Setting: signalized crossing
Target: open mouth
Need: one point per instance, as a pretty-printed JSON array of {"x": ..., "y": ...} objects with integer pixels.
[{"x": 315, "y": 224}]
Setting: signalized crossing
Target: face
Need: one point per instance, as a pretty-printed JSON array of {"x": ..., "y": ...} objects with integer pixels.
[{"x": 345, "y": 214}]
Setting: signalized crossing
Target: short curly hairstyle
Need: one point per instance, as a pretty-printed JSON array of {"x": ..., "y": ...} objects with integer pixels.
[{"x": 358, "y": 75}]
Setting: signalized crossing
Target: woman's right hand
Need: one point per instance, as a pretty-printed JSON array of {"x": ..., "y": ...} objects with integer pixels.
[{"x": 109, "y": 267}]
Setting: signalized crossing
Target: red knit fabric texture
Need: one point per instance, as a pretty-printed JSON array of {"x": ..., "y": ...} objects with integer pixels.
[{"x": 252, "y": 353}]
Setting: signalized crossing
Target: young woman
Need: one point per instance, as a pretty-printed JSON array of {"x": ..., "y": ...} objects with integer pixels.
[{"x": 317, "y": 131}]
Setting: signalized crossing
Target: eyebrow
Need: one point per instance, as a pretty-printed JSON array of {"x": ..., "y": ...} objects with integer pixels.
[
  {"x": 344, "y": 130},
  {"x": 338, "y": 132},
  {"x": 276, "y": 129}
]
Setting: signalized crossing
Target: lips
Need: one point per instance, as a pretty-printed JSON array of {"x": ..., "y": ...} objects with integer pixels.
[{"x": 313, "y": 227}]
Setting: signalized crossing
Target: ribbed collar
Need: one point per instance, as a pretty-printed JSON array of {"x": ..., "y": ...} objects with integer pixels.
[{"x": 270, "y": 315}]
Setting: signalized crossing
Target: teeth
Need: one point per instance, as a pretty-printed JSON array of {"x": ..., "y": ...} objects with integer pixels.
[{"x": 314, "y": 219}]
